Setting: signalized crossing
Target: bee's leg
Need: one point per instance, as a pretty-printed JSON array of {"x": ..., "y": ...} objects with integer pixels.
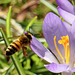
[{"x": 24, "y": 52}]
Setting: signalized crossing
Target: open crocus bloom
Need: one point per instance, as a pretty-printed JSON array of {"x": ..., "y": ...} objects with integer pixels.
[{"x": 60, "y": 37}]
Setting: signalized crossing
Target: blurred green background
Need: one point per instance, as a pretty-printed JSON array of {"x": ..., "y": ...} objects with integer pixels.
[{"x": 23, "y": 15}]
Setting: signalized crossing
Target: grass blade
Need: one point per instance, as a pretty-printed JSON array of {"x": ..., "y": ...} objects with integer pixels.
[
  {"x": 8, "y": 24},
  {"x": 4, "y": 37},
  {"x": 52, "y": 7},
  {"x": 30, "y": 24},
  {"x": 4, "y": 1},
  {"x": 14, "y": 58}
]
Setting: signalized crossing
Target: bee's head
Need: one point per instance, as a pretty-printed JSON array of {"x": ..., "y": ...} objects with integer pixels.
[{"x": 28, "y": 35}]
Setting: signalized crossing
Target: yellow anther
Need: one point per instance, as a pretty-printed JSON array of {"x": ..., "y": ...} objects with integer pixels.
[
  {"x": 65, "y": 42},
  {"x": 57, "y": 48},
  {"x": 68, "y": 54}
]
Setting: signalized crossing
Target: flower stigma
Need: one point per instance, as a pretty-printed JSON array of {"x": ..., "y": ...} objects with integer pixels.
[{"x": 65, "y": 42}]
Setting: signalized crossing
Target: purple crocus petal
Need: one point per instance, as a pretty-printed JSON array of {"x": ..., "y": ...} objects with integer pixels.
[
  {"x": 57, "y": 68},
  {"x": 72, "y": 45},
  {"x": 68, "y": 26},
  {"x": 41, "y": 51},
  {"x": 72, "y": 52},
  {"x": 73, "y": 29},
  {"x": 66, "y": 5},
  {"x": 53, "y": 26},
  {"x": 25, "y": 32},
  {"x": 72, "y": 70},
  {"x": 66, "y": 15}
]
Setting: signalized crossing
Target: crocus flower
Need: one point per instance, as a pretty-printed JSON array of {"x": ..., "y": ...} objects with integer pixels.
[
  {"x": 66, "y": 6},
  {"x": 66, "y": 10},
  {"x": 61, "y": 40}
]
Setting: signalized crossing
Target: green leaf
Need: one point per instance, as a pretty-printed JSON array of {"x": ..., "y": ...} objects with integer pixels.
[
  {"x": 14, "y": 58},
  {"x": 4, "y": 64},
  {"x": 73, "y": 2},
  {"x": 8, "y": 24},
  {"x": 30, "y": 23},
  {"x": 18, "y": 65},
  {"x": 45, "y": 44},
  {"x": 4, "y": 37},
  {"x": 49, "y": 5},
  {"x": 27, "y": 64},
  {"x": 4, "y": 1}
]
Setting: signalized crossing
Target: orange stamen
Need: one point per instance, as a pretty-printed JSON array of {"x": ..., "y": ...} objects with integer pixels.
[{"x": 65, "y": 42}]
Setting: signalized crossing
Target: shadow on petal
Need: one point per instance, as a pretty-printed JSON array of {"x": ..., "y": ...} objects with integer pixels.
[{"x": 42, "y": 51}]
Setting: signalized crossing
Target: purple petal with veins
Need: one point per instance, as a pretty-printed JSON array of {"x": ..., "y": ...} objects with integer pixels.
[
  {"x": 53, "y": 26},
  {"x": 67, "y": 26},
  {"x": 66, "y": 15},
  {"x": 66, "y": 5},
  {"x": 57, "y": 68},
  {"x": 72, "y": 70}
]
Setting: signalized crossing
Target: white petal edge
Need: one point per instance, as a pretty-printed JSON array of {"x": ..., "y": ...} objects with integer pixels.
[{"x": 42, "y": 51}]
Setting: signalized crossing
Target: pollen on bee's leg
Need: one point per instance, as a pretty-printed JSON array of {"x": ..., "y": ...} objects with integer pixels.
[{"x": 24, "y": 52}]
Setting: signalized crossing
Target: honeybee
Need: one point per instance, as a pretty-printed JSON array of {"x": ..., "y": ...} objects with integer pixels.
[{"x": 21, "y": 42}]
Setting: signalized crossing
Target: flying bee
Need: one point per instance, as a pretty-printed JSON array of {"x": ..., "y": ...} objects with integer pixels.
[{"x": 21, "y": 42}]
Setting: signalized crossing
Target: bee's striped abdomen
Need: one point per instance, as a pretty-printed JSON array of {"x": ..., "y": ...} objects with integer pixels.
[{"x": 14, "y": 47}]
